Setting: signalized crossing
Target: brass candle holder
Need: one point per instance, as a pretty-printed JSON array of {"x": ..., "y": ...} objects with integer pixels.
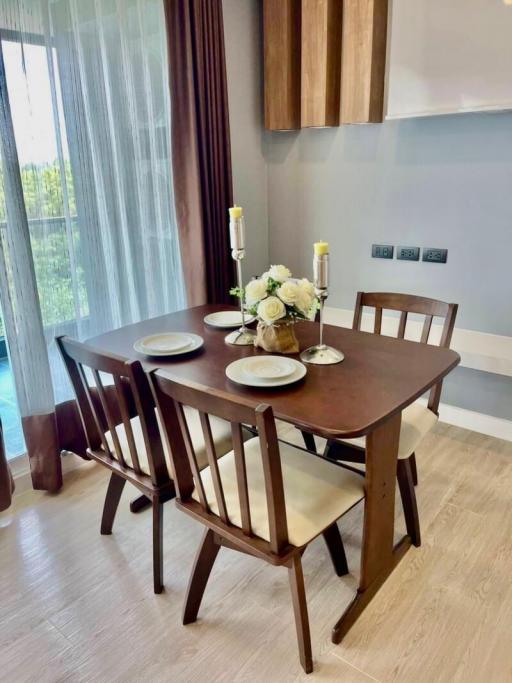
[{"x": 321, "y": 354}]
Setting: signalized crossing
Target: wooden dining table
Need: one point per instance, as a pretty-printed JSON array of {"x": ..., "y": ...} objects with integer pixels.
[{"x": 362, "y": 396}]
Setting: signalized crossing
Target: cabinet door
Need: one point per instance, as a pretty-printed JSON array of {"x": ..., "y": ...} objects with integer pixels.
[{"x": 449, "y": 56}]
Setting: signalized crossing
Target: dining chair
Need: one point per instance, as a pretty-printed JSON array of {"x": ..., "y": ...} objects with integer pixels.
[
  {"x": 417, "y": 419},
  {"x": 261, "y": 499},
  {"x": 123, "y": 433}
]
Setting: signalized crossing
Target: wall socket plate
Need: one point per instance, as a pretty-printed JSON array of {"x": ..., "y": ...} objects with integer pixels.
[
  {"x": 408, "y": 253},
  {"x": 432, "y": 255},
  {"x": 382, "y": 250}
]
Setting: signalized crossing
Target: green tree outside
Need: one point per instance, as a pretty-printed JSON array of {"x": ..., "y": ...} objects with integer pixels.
[{"x": 44, "y": 199}]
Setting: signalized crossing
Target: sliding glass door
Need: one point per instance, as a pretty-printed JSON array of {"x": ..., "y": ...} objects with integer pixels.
[{"x": 88, "y": 238}]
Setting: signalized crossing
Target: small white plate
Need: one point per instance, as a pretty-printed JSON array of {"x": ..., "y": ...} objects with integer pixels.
[
  {"x": 268, "y": 367},
  {"x": 235, "y": 372},
  {"x": 168, "y": 344},
  {"x": 227, "y": 319}
]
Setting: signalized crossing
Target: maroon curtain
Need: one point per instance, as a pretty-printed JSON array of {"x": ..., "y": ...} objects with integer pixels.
[
  {"x": 6, "y": 481},
  {"x": 47, "y": 435},
  {"x": 201, "y": 154}
]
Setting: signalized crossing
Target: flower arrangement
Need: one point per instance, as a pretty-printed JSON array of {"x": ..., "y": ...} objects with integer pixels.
[
  {"x": 278, "y": 300},
  {"x": 277, "y": 297}
]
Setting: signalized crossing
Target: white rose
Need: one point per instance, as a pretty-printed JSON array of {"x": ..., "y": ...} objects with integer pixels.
[
  {"x": 308, "y": 287},
  {"x": 278, "y": 273},
  {"x": 304, "y": 302},
  {"x": 271, "y": 309},
  {"x": 288, "y": 292},
  {"x": 255, "y": 291}
]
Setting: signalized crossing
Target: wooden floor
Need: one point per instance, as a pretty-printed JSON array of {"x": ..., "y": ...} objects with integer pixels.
[{"x": 76, "y": 606}]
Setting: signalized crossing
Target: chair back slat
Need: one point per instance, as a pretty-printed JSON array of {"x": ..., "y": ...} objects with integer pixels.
[
  {"x": 402, "y": 325},
  {"x": 105, "y": 408},
  {"x": 98, "y": 418},
  {"x": 214, "y": 465},
  {"x": 378, "y": 321},
  {"x": 425, "y": 332},
  {"x": 192, "y": 458},
  {"x": 122, "y": 391},
  {"x": 406, "y": 304},
  {"x": 108, "y": 418},
  {"x": 241, "y": 476},
  {"x": 170, "y": 396},
  {"x": 276, "y": 507}
]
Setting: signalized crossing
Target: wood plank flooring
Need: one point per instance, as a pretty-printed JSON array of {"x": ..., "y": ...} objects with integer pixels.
[{"x": 77, "y": 606}]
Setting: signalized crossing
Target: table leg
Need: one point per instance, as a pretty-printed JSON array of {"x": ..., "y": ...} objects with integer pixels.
[
  {"x": 378, "y": 556},
  {"x": 140, "y": 503}
]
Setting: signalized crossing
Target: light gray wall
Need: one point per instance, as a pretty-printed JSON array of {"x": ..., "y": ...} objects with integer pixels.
[
  {"x": 244, "y": 73},
  {"x": 441, "y": 182}
]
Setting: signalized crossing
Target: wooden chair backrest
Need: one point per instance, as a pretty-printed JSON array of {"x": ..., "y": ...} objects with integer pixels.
[
  {"x": 102, "y": 408},
  {"x": 408, "y": 303},
  {"x": 170, "y": 398}
]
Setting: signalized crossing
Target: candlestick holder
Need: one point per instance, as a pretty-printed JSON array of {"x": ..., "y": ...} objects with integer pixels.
[
  {"x": 321, "y": 354},
  {"x": 243, "y": 336}
]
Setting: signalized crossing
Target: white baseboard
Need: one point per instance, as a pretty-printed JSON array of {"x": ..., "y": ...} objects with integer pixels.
[{"x": 476, "y": 422}]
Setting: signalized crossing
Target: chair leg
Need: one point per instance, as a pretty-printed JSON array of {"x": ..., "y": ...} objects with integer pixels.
[
  {"x": 300, "y": 610},
  {"x": 309, "y": 441},
  {"x": 408, "y": 495},
  {"x": 114, "y": 491},
  {"x": 203, "y": 564},
  {"x": 414, "y": 469},
  {"x": 140, "y": 503},
  {"x": 158, "y": 543},
  {"x": 334, "y": 542}
]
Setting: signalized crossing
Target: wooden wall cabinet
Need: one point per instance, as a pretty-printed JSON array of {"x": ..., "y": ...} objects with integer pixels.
[
  {"x": 321, "y": 62},
  {"x": 363, "y": 62},
  {"x": 315, "y": 50},
  {"x": 282, "y": 49}
]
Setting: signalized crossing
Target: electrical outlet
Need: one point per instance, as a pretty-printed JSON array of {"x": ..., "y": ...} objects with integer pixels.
[
  {"x": 432, "y": 255},
  {"x": 408, "y": 253},
  {"x": 382, "y": 250}
]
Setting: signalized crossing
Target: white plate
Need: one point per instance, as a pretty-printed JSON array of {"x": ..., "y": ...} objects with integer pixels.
[
  {"x": 235, "y": 372},
  {"x": 168, "y": 344},
  {"x": 268, "y": 367},
  {"x": 227, "y": 319}
]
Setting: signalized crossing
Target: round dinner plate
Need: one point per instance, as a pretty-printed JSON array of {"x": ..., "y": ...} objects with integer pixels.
[
  {"x": 168, "y": 344},
  {"x": 227, "y": 319},
  {"x": 268, "y": 367},
  {"x": 236, "y": 373}
]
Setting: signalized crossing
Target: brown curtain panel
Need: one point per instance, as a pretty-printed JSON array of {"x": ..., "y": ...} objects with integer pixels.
[
  {"x": 6, "y": 480},
  {"x": 201, "y": 154},
  {"x": 47, "y": 435}
]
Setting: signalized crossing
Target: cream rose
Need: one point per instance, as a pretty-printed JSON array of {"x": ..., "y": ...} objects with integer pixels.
[
  {"x": 278, "y": 273},
  {"x": 289, "y": 292},
  {"x": 271, "y": 309},
  {"x": 307, "y": 287},
  {"x": 255, "y": 291},
  {"x": 304, "y": 302}
]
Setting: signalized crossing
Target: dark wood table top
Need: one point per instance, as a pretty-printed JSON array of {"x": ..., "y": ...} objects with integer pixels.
[{"x": 378, "y": 378}]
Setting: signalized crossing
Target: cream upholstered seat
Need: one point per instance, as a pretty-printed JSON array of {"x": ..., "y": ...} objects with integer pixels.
[
  {"x": 221, "y": 432},
  {"x": 417, "y": 421},
  {"x": 316, "y": 492}
]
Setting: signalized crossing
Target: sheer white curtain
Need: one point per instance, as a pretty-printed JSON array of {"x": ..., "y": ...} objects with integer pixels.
[{"x": 88, "y": 237}]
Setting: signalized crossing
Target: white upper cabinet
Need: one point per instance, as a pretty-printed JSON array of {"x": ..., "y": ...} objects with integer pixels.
[{"x": 449, "y": 56}]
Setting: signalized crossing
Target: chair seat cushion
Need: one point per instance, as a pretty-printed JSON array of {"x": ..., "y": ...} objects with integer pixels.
[
  {"x": 316, "y": 492},
  {"x": 417, "y": 421},
  {"x": 221, "y": 432}
]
